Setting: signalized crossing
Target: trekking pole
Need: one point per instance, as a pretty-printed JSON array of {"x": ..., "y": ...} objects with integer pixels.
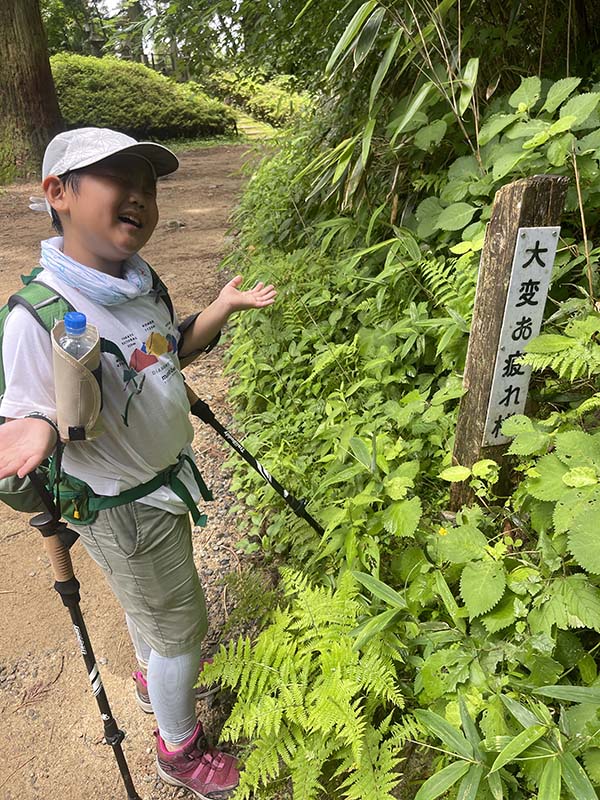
[
  {"x": 201, "y": 410},
  {"x": 57, "y": 537}
]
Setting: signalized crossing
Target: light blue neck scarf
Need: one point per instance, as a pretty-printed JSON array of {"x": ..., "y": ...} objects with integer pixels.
[{"x": 97, "y": 286}]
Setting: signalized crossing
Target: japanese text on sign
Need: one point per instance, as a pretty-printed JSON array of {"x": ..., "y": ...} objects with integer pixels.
[{"x": 525, "y": 301}]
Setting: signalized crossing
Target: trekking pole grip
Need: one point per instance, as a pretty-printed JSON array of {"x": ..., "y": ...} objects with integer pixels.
[{"x": 60, "y": 558}]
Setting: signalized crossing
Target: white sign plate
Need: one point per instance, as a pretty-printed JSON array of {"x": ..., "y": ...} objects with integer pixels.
[{"x": 529, "y": 280}]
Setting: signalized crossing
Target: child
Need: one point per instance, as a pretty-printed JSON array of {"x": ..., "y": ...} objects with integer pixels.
[{"x": 100, "y": 189}]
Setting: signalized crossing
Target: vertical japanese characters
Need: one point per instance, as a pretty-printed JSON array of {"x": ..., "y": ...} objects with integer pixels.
[{"x": 530, "y": 277}]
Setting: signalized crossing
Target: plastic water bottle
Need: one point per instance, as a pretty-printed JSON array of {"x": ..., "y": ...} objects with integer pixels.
[{"x": 76, "y": 340}]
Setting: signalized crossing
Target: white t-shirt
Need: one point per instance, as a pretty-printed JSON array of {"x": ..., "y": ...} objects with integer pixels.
[{"x": 145, "y": 412}]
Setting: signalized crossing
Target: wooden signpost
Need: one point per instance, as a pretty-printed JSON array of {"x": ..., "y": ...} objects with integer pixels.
[{"x": 514, "y": 274}]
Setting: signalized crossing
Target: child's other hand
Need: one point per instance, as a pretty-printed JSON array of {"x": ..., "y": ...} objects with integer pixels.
[
  {"x": 24, "y": 444},
  {"x": 259, "y": 297}
]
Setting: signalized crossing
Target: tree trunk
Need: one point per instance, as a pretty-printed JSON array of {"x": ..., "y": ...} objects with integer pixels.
[{"x": 29, "y": 112}]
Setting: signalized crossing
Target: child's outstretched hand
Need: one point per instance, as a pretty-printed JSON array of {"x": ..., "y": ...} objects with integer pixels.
[
  {"x": 24, "y": 444},
  {"x": 259, "y": 297}
]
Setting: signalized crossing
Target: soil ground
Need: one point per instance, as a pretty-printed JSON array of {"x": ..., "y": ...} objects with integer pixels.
[{"x": 52, "y": 733}]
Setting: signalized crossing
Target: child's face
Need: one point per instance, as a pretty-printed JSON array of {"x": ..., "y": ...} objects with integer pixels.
[{"x": 112, "y": 213}]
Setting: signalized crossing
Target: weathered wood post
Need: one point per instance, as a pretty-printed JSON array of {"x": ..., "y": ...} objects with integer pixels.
[{"x": 530, "y": 203}]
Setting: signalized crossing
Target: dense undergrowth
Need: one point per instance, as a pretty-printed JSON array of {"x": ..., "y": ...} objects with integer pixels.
[
  {"x": 273, "y": 101},
  {"x": 473, "y": 635}
]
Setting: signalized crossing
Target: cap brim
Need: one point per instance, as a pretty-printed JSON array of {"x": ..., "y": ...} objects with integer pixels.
[{"x": 162, "y": 159}]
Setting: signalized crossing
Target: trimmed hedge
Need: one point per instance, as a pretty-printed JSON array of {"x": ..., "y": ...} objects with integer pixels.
[
  {"x": 110, "y": 92},
  {"x": 273, "y": 101}
]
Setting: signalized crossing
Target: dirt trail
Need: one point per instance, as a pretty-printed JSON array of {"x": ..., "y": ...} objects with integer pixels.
[{"x": 51, "y": 729}]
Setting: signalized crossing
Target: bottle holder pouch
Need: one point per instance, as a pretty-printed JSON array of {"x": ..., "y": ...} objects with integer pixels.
[{"x": 78, "y": 388}]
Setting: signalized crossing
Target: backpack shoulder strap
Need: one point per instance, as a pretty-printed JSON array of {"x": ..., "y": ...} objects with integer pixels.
[
  {"x": 44, "y": 303},
  {"x": 160, "y": 291}
]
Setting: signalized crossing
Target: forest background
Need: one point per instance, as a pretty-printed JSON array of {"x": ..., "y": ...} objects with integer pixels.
[{"x": 409, "y": 651}]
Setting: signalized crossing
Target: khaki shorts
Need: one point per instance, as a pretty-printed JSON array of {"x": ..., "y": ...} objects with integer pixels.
[{"x": 146, "y": 555}]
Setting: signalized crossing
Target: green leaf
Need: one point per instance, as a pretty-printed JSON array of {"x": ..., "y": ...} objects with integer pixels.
[
  {"x": 448, "y": 600},
  {"x": 441, "y": 672},
  {"x": 507, "y": 161},
  {"x": 450, "y": 737},
  {"x": 528, "y": 443},
  {"x": 559, "y": 92},
  {"x": 364, "y": 633},
  {"x": 384, "y": 66},
  {"x": 482, "y": 585},
  {"x": 427, "y": 213},
  {"x": 455, "y": 474},
  {"x": 581, "y": 476},
  {"x": 559, "y": 150},
  {"x": 578, "y": 449},
  {"x": 456, "y": 217},
  {"x": 495, "y": 125},
  {"x": 463, "y": 544},
  {"x": 502, "y": 616},
  {"x": 582, "y": 601},
  {"x": 591, "y": 759},
  {"x": 527, "y": 95},
  {"x": 548, "y": 484},
  {"x": 350, "y": 33},
  {"x": 495, "y": 786},
  {"x": 470, "y": 783},
  {"x": 380, "y": 590},
  {"x": 430, "y": 135},
  {"x": 468, "y": 725},
  {"x": 523, "y": 715},
  {"x": 551, "y": 780},
  {"x": 521, "y": 742},
  {"x": 366, "y": 142},
  {"x": 571, "y": 694},
  {"x": 576, "y": 781},
  {"x": 361, "y": 451},
  {"x": 443, "y": 780},
  {"x": 468, "y": 81},
  {"x": 581, "y": 106},
  {"x": 401, "y": 518},
  {"x": 413, "y": 107},
  {"x": 484, "y": 468},
  {"x": 367, "y": 37}
]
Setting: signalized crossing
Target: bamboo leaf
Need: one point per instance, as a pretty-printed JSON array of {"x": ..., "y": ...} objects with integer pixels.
[
  {"x": 350, "y": 34},
  {"x": 576, "y": 781},
  {"x": 412, "y": 109},
  {"x": 571, "y": 694},
  {"x": 516, "y": 746},
  {"x": 550, "y": 780},
  {"x": 449, "y": 735},
  {"x": 468, "y": 80},
  {"x": 383, "y": 68},
  {"x": 380, "y": 590},
  {"x": 367, "y": 36},
  {"x": 366, "y": 142},
  {"x": 442, "y": 780},
  {"x": 470, "y": 783}
]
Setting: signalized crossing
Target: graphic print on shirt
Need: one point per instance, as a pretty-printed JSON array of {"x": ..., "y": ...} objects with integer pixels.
[{"x": 142, "y": 358}]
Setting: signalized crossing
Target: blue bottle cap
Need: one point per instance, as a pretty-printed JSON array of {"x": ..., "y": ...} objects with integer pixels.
[{"x": 75, "y": 322}]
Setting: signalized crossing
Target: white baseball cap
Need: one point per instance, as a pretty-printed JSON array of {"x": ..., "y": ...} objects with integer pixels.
[{"x": 82, "y": 147}]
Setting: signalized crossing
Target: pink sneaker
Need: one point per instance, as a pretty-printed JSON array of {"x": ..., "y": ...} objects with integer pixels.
[
  {"x": 208, "y": 774},
  {"x": 143, "y": 698}
]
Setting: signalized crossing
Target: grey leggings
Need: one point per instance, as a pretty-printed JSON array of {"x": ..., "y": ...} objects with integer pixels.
[{"x": 170, "y": 686}]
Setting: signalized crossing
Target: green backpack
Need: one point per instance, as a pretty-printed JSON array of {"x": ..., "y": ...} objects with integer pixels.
[{"x": 47, "y": 306}]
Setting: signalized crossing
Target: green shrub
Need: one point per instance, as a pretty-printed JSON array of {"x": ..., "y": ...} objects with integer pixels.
[
  {"x": 109, "y": 92},
  {"x": 273, "y": 101}
]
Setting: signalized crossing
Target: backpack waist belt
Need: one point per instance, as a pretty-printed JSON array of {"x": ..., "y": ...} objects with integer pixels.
[{"x": 167, "y": 477}]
